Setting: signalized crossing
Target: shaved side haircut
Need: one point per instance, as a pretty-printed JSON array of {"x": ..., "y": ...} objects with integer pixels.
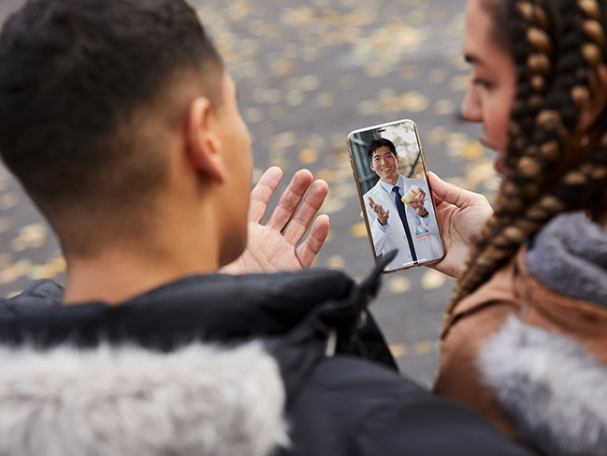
[{"x": 89, "y": 91}]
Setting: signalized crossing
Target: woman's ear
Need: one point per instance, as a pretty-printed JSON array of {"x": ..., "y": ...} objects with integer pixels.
[
  {"x": 591, "y": 113},
  {"x": 202, "y": 144}
]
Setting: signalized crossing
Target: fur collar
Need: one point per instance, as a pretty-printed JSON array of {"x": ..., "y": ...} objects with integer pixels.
[
  {"x": 569, "y": 256},
  {"x": 124, "y": 401},
  {"x": 140, "y": 378},
  {"x": 554, "y": 390}
]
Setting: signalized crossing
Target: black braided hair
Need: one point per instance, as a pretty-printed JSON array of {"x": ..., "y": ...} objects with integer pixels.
[
  {"x": 557, "y": 46},
  {"x": 528, "y": 35}
]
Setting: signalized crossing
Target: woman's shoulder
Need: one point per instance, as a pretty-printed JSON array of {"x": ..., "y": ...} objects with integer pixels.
[
  {"x": 500, "y": 290},
  {"x": 563, "y": 271}
]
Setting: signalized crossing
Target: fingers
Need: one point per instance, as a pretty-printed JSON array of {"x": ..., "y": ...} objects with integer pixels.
[
  {"x": 308, "y": 249},
  {"x": 419, "y": 199},
  {"x": 290, "y": 199},
  {"x": 308, "y": 209},
  {"x": 377, "y": 208},
  {"x": 386, "y": 216},
  {"x": 262, "y": 193},
  {"x": 372, "y": 203},
  {"x": 444, "y": 190}
]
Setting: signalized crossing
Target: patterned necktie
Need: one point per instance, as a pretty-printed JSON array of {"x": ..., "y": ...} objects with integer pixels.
[{"x": 403, "y": 217}]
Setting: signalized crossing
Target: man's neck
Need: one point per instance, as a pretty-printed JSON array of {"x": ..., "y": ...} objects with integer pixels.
[
  {"x": 392, "y": 180},
  {"x": 125, "y": 270},
  {"x": 116, "y": 278}
]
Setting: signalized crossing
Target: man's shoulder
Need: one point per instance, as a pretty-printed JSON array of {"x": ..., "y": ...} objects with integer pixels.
[
  {"x": 40, "y": 295},
  {"x": 360, "y": 405},
  {"x": 336, "y": 400},
  {"x": 363, "y": 381},
  {"x": 373, "y": 190},
  {"x": 352, "y": 389}
]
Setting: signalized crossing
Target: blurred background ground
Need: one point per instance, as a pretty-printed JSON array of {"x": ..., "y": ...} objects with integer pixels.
[{"x": 309, "y": 72}]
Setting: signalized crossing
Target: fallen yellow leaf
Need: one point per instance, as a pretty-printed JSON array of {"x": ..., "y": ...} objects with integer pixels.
[{"x": 431, "y": 280}]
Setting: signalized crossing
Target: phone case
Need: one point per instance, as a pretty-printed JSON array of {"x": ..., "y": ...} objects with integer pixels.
[{"x": 422, "y": 237}]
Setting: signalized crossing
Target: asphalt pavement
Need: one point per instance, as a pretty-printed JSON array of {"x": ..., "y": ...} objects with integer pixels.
[{"x": 309, "y": 72}]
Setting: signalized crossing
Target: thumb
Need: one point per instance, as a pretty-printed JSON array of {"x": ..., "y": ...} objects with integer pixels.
[{"x": 444, "y": 190}]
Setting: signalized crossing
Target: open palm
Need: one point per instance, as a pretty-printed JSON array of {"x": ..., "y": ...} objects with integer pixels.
[{"x": 277, "y": 245}]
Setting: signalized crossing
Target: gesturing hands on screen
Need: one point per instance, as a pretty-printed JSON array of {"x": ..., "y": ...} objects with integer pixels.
[
  {"x": 461, "y": 215},
  {"x": 382, "y": 215},
  {"x": 274, "y": 246},
  {"x": 417, "y": 203}
]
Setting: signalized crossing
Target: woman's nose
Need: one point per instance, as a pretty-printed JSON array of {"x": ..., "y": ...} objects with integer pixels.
[{"x": 471, "y": 109}]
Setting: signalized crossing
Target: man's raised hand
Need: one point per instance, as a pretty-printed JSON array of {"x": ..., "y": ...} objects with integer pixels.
[
  {"x": 274, "y": 246},
  {"x": 417, "y": 203},
  {"x": 382, "y": 215}
]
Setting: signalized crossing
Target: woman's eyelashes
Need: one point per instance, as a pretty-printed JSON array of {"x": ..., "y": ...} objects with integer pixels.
[{"x": 484, "y": 83}]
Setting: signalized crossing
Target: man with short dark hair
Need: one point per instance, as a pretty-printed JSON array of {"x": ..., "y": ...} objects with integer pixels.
[
  {"x": 411, "y": 227},
  {"x": 120, "y": 121}
]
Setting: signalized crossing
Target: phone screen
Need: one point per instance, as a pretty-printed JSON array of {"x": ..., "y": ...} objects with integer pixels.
[{"x": 397, "y": 205}]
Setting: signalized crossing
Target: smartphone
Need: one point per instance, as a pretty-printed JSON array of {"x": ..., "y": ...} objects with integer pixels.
[{"x": 395, "y": 196}]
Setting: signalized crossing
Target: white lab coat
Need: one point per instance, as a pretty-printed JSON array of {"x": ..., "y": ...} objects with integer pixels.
[{"x": 393, "y": 236}]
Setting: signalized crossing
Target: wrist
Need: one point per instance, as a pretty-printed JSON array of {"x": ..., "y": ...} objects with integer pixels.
[{"x": 425, "y": 213}]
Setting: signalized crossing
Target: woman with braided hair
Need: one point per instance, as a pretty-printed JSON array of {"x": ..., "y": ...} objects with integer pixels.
[{"x": 525, "y": 336}]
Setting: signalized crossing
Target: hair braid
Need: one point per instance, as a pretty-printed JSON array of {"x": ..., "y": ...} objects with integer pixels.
[
  {"x": 528, "y": 197},
  {"x": 532, "y": 48}
]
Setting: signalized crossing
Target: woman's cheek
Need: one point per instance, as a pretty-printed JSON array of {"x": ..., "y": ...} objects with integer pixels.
[{"x": 500, "y": 119}]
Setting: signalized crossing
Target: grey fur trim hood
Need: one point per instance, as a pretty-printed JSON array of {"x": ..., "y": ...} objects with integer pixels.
[
  {"x": 552, "y": 387},
  {"x": 128, "y": 400},
  {"x": 554, "y": 390},
  {"x": 570, "y": 256}
]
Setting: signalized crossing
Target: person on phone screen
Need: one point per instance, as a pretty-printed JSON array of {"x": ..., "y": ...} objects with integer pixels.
[{"x": 409, "y": 227}]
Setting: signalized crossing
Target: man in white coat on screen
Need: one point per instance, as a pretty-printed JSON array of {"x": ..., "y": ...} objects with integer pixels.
[{"x": 411, "y": 228}]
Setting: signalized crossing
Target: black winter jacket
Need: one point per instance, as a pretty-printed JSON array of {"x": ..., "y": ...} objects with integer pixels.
[{"x": 220, "y": 365}]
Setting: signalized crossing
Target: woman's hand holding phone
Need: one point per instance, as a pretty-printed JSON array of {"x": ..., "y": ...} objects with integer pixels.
[{"x": 462, "y": 214}]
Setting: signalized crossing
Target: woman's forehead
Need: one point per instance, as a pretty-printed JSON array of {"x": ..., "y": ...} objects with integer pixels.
[
  {"x": 480, "y": 48},
  {"x": 478, "y": 29}
]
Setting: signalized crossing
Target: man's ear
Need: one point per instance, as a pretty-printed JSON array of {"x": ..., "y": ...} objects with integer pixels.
[
  {"x": 598, "y": 102},
  {"x": 203, "y": 145}
]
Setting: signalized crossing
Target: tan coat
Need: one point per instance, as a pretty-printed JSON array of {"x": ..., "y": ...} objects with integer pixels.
[{"x": 511, "y": 292}]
